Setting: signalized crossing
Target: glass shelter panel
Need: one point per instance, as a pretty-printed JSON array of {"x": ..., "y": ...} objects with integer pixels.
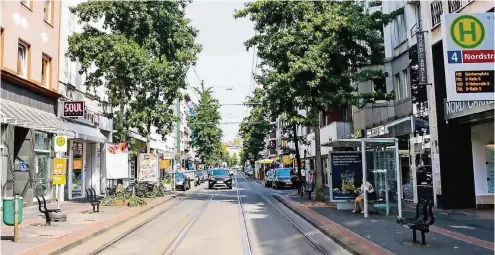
[{"x": 381, "y": 173}]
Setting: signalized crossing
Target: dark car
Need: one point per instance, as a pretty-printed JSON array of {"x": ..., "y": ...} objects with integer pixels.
[
  {"x": 282, "y": 178},
  {"x": 181, "y": 182},
  {"x": 220, "y": 178},
  {"x": 269, "y": 178}
]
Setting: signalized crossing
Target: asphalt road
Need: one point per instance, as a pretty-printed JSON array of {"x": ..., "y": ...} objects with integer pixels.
[{"x": 215, "y": 222}]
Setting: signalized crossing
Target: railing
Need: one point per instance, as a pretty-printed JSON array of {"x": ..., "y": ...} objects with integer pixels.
[
  {"x": 436, "y": 8},
  {"x": 455, "y": 5}
]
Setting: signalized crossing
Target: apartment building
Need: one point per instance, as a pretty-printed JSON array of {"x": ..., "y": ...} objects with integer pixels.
[
  {"x": 29, "y": 90},
  {"x": 461, "y": 133}
]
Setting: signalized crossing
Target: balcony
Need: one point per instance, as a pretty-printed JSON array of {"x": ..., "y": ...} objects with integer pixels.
[
  {"x": 273, "y": 135},
  {"x": 456, "y": 5},
  {"x": 436, "y": 8}
]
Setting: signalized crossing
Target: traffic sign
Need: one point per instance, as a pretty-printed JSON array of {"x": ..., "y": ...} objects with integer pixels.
[
  {"x": 59, "y": 180},
  {"x": 60, "y": 144},
  {"x": 469, "y": 56},
  {"x": 59, "y": 166}
]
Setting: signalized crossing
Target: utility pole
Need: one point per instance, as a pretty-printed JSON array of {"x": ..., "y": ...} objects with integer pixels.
[{"x": 177, "y": 134}]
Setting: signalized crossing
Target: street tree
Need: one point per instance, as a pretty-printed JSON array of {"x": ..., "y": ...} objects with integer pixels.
[
  {"x": 255, "y": 127},
  {"x": 165, "y": 41},
  {"x": 205, "y": 125},
  {"x": 312, "y": 54},
  {"x": 233, "y": 160}
]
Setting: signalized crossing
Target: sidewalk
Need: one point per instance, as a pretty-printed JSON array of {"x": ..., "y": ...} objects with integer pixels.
[
  {"x": 453, "y": 232},
  {"x": 82, "y": 224}
]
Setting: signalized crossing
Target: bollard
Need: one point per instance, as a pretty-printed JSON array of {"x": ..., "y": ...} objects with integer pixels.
[{"x": 16, "y": 219}]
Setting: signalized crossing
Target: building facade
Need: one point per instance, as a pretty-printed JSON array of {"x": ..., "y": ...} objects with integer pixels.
[
  {"x": 29, "y": 96},
  {"x": 461, "y": 132}
]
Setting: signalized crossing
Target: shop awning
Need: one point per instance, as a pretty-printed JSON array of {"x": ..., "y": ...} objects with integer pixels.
[
  {"x": 87, "y": 133},
  {"x": 24, "y": 116},
  {"x": 264, "y": 161}
]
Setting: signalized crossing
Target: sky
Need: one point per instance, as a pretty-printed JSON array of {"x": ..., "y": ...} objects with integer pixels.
[{"x": 224, "y": 61}]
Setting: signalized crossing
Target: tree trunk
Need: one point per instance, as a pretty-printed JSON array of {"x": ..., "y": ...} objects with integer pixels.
[
  {"x": 122, "y": 108},
  {"x": 320, "y": 194},
  {"x": 298, "y": 159}
]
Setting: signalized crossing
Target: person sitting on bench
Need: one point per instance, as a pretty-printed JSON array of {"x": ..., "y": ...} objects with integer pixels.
[{"x": 359, "y": 202}]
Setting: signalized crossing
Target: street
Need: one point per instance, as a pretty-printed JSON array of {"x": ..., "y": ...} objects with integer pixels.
[{"x": 213, "y": 222}]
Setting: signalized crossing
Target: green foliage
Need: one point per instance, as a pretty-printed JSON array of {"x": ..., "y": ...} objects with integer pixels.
[
  {"x": 141, "y": 57},
  {"x": 312, "y": 55},
  {"x": 206, "y": 132},
  {"x": 255, "y": 127},
  {"x": 233, "y": 160},
  {"x": 120, "y": 195}
]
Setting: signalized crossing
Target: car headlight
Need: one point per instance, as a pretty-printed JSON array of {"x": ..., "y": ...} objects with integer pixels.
[{"x": 212, "y": 178}]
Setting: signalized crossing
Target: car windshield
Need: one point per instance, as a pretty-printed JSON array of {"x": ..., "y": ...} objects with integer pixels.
[
  {"x": 270, "y": 173},
  {"x": 179, "y": 176},
  {"x": 283, "y": 172},
  {"x": 220, "y": 172}
]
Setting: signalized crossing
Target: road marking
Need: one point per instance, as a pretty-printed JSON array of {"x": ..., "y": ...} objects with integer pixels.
[{"x": 245, "y": 236}]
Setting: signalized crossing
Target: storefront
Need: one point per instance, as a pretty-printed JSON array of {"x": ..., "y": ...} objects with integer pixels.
[
  {"x": 28, "y": 125},
  {"x": 479, "y": 116},
  {"x": 86, "y": 166}
]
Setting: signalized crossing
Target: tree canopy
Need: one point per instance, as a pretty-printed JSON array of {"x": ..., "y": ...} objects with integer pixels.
[
  {"x": 206, "y": 133},
  {"x": 312, "y": 54},
  {"x": 141, "y": 55}
]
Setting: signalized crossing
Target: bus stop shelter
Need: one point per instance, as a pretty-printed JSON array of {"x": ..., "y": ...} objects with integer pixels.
[{"x": 380, "y": 166}]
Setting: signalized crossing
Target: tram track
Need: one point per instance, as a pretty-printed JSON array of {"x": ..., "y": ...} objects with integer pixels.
[
  {"x": 139, "y": 226},
  {"x": 294, "y": 225}
]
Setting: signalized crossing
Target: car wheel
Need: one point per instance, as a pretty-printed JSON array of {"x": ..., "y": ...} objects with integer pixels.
[{"x": 230, "y": 187}]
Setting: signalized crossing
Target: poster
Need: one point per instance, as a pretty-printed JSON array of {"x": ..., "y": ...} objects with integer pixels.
[
  {"x": 117, "y": 160},
  {"x": 347, "y": 175},
  {"x": 148, "y": 167},
  {"x": 164, "y": 163}
]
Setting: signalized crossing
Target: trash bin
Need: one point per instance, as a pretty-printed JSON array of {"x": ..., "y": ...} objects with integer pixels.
[{"x": 8, "y": 210}]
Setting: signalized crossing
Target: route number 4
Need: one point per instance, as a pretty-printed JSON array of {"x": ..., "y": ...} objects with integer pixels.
[{"x": 454, "y": 57}]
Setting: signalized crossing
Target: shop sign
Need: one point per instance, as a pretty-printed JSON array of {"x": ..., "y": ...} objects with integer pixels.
[
  {"x": 59, "y": 166},
  {"x": 59, "y": 180},
  {"x": 164, "y": 163},
  {"x": 347, "y": 175},
  {"x": 148, "y": 167},
  {"x": 464, "y": 108},
  {"x": 422, "y": 70},
  {"x": 60, "y": 144},
  {"x": 23, "y": 165},
  {"x": 74, "y": 109},
  {"x": 469, "y": 56},
  {"x": 77, "y": 164}
]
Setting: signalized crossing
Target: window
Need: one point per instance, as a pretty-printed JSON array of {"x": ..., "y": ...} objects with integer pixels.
[
  {"x": 47, "y": 11},
  {"x": 22, "y": 59},
  {"x": 46, "y": 62},
  {"x": 401, "y": 85},
  {"x": 399, "y": 29}
]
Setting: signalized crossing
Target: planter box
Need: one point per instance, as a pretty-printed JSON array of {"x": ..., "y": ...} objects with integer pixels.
[
  {"x": 121, "y": 203},
  {"x": 167, "y": 186}
]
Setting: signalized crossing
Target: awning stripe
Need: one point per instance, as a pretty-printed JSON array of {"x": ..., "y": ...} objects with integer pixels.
[{"x": 28, "y": 117}]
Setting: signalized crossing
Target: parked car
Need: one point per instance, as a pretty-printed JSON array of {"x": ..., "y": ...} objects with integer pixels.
[
  {"x": 181, "y": 181},
  {"x": 220, "y": 177},
  {"x": 269, "y": 178},
  {"x": 282, "y": 178},
  {"x": 202, "y": 176}
]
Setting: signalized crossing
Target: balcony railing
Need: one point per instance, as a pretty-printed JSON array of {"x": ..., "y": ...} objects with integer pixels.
[
  {"x": 436, "y": 8},
  {"x": 455, "y": 5}
]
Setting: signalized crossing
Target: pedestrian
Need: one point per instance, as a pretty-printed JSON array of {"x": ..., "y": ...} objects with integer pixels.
[{"x": 359, "y": 201}]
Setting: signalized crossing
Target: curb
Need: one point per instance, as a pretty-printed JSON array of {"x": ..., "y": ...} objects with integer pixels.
[
  {"x": 62, "y": 245},
  {"x": 346, "y": 243}
]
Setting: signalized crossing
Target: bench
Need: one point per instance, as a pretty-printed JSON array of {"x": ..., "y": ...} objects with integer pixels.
[
  {"x": 420, "y": 224},
  {"x": 47, "y": 212},
  {"x": 93, "y": 199}
]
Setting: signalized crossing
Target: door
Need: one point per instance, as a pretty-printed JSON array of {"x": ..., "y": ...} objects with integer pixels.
[
  {"x": 88, "y": 166},
  {"x": 489, "y": 167}
]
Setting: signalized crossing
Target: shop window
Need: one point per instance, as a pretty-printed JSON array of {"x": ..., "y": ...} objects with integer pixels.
[
  {"x": 42, "y": 175},
  {"x": 46, "y": 70},
  {"x": 22, "y": 59},
  {"x": 77, "y": 166},
  {"x": 48, "y": 11}
]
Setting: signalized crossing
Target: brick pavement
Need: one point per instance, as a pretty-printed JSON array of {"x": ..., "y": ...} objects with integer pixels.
[
  {"x": 381, "y": 235},
  {"x": 81, "y": 226}
]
